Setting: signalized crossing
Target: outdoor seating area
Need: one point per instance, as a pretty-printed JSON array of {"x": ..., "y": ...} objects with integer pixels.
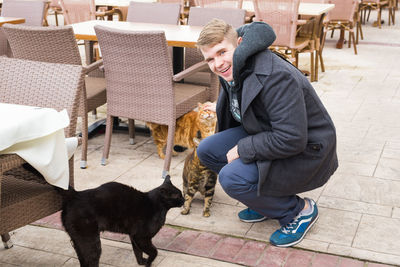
[{"x": 113, "y": 65}]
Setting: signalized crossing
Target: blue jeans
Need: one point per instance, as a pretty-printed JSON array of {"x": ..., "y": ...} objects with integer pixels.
[{"x": 240, "y": 180}]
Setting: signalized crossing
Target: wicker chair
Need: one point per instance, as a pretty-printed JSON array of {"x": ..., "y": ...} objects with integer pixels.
[
  {"x": 199, "y": 16},
  {"x": 220, "y": 3},
  {"x": 24, "y": 196},
  {"x": 56, "y": 9},
  {"x": 140, "y": 83},
  {"x": 282, "y": 16},
  {"x": 32, "y": 11},
  {"x": 165, "y": 13},
  {"x": 81, "y": 10},
  {"x": 378, "y": 5},
  {"x": 185, "y": 5},
  {"x": 43, "y": 44},
  {"x": 342, "y": 17}
]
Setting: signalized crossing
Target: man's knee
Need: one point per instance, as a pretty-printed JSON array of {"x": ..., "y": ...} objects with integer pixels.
[{"x": 232, "y": 184}]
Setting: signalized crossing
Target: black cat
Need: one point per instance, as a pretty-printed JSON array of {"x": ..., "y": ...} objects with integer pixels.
[{"x": 117, "y": 208}]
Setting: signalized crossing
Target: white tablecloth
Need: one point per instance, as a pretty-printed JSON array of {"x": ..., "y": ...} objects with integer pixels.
[{"x": 37, "y": 135}]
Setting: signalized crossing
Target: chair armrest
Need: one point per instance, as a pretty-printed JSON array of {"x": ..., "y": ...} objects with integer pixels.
[
  {"x": 105, "y": 13},
  {"x": 95, "y": 65},
  {"x": 190, "y": 71}
]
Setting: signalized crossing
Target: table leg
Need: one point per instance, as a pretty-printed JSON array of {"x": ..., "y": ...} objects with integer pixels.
[{"x": 339, "y": 44}]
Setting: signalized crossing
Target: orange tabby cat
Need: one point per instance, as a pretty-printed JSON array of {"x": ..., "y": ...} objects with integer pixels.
[{"x": 186, "y": 129}]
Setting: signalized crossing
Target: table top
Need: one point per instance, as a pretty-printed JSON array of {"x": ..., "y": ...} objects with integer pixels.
[
  {"x": 176, "y": 35},
  {"x": 4, "y": 20}
]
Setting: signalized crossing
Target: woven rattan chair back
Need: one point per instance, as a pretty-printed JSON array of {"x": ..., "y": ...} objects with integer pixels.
[
  {"x": 32, "y": 11},
  {"x": 220, "y": 3},
  {"x": 166, "y": 13},
  {"x": 47, "y": 44},
  {"x": 183, "y": 11},
  {"x": 281, "y": 15},
  {"x": 57, "y": 45},
  {"x": 24, "y": 196},
  {"x": 78, "y": 10},
  {"x": 140, "y": 85},
  {"x": 343, "y": 11}
]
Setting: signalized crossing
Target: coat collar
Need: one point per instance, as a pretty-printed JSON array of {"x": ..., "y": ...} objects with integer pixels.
[{"x": 252, "y": 84}]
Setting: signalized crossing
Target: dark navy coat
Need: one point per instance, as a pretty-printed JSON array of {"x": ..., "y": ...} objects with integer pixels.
[{"x": 291, "y": 138}]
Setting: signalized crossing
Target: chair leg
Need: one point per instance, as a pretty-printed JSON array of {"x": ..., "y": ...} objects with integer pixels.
[
  {"x": 380, "y": 18},
  {"x": 321, "y": 60},
  {"x": 6, "y": 240},
  {"x": 349, "y": 45},
  {"x": 131, "y": 129},
  {"x": 312, "y": 67},
  {"x": 107, "y": 139},
  {"x": 354, "y": 42},
  {"x": 85, "y": 138},
  {"x": 170, "y": 146},
  {"x": 56, "y": 15}
]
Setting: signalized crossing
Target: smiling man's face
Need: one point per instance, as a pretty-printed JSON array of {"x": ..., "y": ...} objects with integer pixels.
[{"x": 220, "y": 58}]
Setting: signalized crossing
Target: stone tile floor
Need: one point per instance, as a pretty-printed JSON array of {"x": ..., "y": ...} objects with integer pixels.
[{"x": 359, "y": 206}]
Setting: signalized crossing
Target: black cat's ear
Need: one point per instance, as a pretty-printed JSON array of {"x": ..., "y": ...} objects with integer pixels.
[{"x": 167, "y": 179}]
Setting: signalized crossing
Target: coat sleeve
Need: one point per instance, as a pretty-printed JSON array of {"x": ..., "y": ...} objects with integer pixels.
[{"x": 283, "y": 100}]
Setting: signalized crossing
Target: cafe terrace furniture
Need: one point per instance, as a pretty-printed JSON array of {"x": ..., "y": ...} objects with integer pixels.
[
  {"x": 141, "y": 84},
  {"x": 24, "y": 195},
  {"x": 55, "y": 7},
  {"x": 44, "y": 44},
  {"x": 342, "y": 17},
  {"x": 81, "y": 10},
  {"x": 165, "y": 13},
  {"x": 200, "y": 16},
  {"x": 184, "y": 11},
  {"x": 220, "y": 3},
  {"x": 378, "y": 5},
  {"x": 282, "y": 16},
  {"x": 4, "y": 47},
  {"x": 31, "y": 11}
]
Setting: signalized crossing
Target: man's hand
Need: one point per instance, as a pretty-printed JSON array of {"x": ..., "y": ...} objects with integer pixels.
[
  {"x": 232, "y": 154},
  {"x": 209, "y": 106}
]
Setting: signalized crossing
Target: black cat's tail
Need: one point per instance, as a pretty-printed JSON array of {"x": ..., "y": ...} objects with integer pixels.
[{"x": 66, "y": 195}]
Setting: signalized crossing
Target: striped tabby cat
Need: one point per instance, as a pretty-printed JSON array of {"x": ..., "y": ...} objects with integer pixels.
[{"x": 197, "y": 178}]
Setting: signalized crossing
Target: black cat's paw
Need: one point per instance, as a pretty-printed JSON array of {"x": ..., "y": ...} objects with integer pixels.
[{"x": 142, "y": 261}]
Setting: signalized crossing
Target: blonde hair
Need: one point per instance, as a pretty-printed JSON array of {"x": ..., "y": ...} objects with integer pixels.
[{"x": 214, "y": 32}]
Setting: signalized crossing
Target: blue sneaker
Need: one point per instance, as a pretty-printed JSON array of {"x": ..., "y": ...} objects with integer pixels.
[
  {"x": 294, "y": 232},
  {"x": 251, "y": 216}
]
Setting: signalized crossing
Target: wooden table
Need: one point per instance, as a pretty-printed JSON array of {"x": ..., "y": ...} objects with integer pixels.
[
  {"x": 11, "y": 20},
  {"x": 176, "y": 35}
]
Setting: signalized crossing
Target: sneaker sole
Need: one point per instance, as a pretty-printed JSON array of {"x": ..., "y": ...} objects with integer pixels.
[
  {"x": 254, "y": 220},
  {"x": 298, "y": 241}
]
